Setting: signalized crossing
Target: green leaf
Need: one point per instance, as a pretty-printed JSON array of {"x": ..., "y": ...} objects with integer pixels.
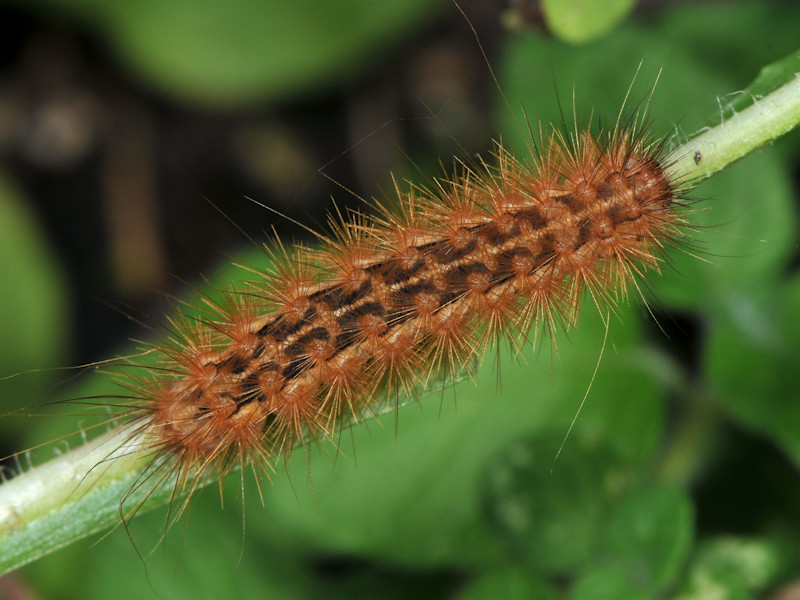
[
  {"x": 732, "y": 568},
  {"x": 646, "y": 542},
  {"x": 752, "y": 362},
  {"x": 606, "y": 583},
  {"x": 581, "y": 21},
  {"x": 509, "y": 583},
  {"x": 33, "y": 305},
  {"x": 744, "y": 38},
  {"x": 551, "y": 512},
  {"x": 650, "y": 535},
  {"x": 227, "y": 53}
]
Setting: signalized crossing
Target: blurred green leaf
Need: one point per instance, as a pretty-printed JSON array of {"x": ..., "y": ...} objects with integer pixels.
[
  {"x": 650, "y": 536},
  {"x": 606, "y": 583},
  {"x": 32, "y": 304},
  {"x": 744, "y": 38},
  {"x": 581, "y": 21},
  {"x": 644, "y": 547},
  {"x": 228, "y": 53},
  {"x": 509, "y": 583},
  {"x": 736, "y": 568},
  {"x": 551, "y": 512},
  {"x": 752, "y": 362}
]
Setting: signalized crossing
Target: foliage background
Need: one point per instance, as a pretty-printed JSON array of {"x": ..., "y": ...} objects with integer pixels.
[{"x": 681, "y": 475}]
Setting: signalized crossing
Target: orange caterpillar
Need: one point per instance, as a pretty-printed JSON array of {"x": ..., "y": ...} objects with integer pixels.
[{"x": 394, "y": 300}]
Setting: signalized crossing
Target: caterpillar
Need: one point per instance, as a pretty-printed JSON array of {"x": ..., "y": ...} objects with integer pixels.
[
  {"x": 195, "y": 347},
  {"x": 395, "y": 300}
]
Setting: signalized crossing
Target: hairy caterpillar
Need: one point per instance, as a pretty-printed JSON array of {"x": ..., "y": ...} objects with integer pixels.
[
  {"x": 396, "y": 300},
  {"x": 477, "y": 433}
]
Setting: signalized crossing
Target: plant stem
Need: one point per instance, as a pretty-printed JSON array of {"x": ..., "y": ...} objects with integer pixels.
[
  {"x": 719, "y": 147},
  {"x": 67, "y": 498}
]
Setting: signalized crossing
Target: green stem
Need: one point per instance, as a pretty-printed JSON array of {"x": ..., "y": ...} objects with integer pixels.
[
  {"x": 719, "y": 147},
  {"x": 67, "y": 498},
  {"x": 79, "y": 493}
]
